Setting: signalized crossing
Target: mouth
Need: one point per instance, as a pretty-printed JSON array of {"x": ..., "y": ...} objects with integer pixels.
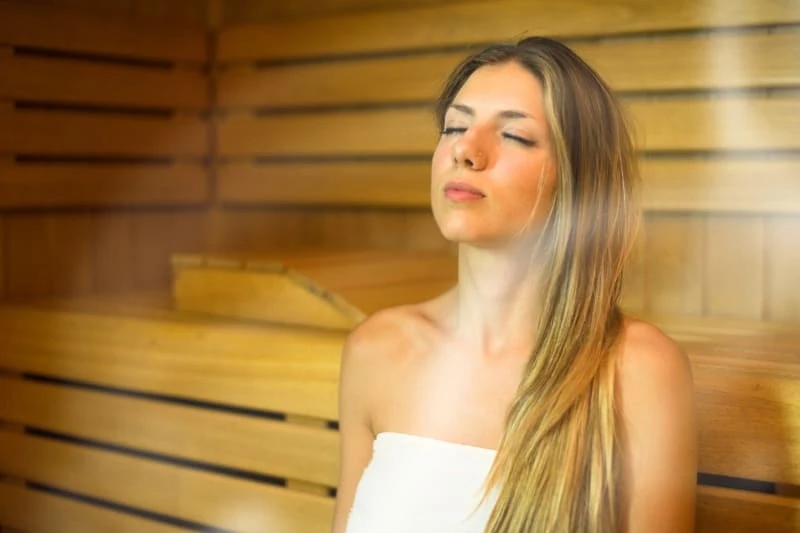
[{"x": 459, "y": 191}]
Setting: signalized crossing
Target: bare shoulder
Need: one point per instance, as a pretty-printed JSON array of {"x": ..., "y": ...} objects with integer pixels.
[
  {"x": 648, "y": 358},
  {"x": 658, "y": 431}
]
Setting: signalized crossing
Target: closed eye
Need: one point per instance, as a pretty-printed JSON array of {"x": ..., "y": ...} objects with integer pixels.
[
  {"x": 521, "y": 140},
  {"x": 450, "y": 131}
]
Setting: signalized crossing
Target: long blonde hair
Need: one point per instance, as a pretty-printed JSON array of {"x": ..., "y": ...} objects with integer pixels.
[{"x": 558, "y": 464}]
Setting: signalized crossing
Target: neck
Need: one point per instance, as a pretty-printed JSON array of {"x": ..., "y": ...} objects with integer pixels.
[{"x": 497, "y": 299}]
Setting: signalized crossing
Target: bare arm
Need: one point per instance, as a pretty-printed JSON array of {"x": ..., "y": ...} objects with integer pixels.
[
  {"x": 659, "y": 434},
  {"x": 354, "y": 423}
]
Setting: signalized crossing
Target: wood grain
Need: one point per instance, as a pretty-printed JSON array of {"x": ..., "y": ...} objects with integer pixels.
[
  {"x": 674, "y": 262},
  {"x": 237, "y": 441},
  {"x": 722, "y": 61},
  {"x": 82, "y": 82},
  {"x": 21, "y": 508},
  {"x": 41, "y": 132},
  {"x": 734, "y": 266},
  {"x": 182, "y": 492},
  {"x": 782, "y": 283},
  {"x": 60, "y": 28},
  {"x": 101, "y": 185},
  {"x": 480, "y": 22}
]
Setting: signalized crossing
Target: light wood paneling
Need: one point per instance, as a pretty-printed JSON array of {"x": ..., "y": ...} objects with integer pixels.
[
  {"x": 113, "y": 252},
  {"x": 59, "y": 28},
  {"x": 158, "y": 235},
  {"x": 101, "y": 185},
  {"x": 81, "y": 82},
  {"x": 732, "y": 184},
  {"x": 201, "y": 497},
  {"x": 684, "y": 63},
  {"x": 249, "y": 11},
  {"x": 736, "y": 511},
  {"x": 28, "y": 255},
  {"x": 3, "y": 267},
  {"x": 22, "y": 508},
  {"x": 730, "y": 123},
  {"x": 390, "y": 183},
  {"x": 242, "y": 442},
  {"x": 70, "y": 133},
  {"x": 71, "y": 254},
  {"x": 734, "y": 266},
  {"x": 475, "y": 22},
  {"x": 674, "y": 263},
  {"x": 782, "y": 287}
]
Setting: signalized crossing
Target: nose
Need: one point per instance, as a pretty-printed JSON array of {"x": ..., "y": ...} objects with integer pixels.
[{"x": 468, "y": 153}]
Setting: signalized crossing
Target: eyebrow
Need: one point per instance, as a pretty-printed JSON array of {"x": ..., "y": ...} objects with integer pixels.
[{"x": 508, "y": 113}]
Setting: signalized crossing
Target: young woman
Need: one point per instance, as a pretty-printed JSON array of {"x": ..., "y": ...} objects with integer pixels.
[{"x": 522, "y": 400}]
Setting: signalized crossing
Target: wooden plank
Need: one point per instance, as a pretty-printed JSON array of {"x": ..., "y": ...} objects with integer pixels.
[
  {"x": 113, "y": 253},
  {"x": 157, "y": 235},
  {"x": 71, "y": 252},
  {"x": 176, "y": 491},
  {"x": 290, "y": 385},
  {"x": 80, "y": 82},
  {"x": 734, "y": 266},
  {"x": 173, "y": 332},
  {"x": 236, "y": 441},
  {"x": 735, "y": 511},
  {"x": 22, "y": 509},
  {"x": 782, "y": 283},
  {"x": 28, "y": 270},
  {"x": 679, "y": 63},
  {"x": 101, "y": 185},
  {"x": 748, "y": 415},
  {"x": 389, "y": 184},
  {"x": 3, "y": 258},
  {"x": 733, "y": 184},
  {"x": 726, "y": 123},
  {"x": 57, "y": 28},
  {"x": 633, "y": 296},
  {"x": 72, "y": 133},
  {"x": 674, "y": 262},
  {"x": 249, "y": 11},
  {"x": 480, "y": 22},
  {"x": 729, "y": 123}
]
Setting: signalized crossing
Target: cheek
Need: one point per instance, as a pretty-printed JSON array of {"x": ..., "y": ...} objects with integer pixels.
[{"x": 532, "y": 189}]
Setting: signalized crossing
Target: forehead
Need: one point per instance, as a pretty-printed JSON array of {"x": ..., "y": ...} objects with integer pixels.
[{"x": 504, "y": 86}]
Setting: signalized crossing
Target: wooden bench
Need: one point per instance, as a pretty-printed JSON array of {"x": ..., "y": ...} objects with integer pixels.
[{"x": 161, "y": 421}]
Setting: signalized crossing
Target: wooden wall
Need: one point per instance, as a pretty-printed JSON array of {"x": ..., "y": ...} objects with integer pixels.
[
  {"x": 333, "y": 113},
  {"x": 320, "y": 134},
  {"x": 104, "y": 138}
]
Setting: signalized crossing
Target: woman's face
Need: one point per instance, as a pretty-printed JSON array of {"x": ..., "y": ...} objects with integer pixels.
[{"x": 492, "y": 174}]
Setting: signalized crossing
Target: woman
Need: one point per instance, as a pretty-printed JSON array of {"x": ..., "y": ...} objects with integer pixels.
[{"x": 522, "y": 400}]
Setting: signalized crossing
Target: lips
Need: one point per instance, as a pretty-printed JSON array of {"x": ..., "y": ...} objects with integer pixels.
[{"x": 462, "y": 191}]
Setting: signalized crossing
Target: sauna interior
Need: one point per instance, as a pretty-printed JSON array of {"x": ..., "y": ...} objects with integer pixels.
[{"x": 200, "y": 198}]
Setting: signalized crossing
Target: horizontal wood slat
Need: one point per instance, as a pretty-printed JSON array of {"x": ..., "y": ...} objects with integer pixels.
[
  {"x": 730, "y": 123},
  {"x": 736, "y": 511},
  {"x": 719, "y": 185},
  {"x": 107, "y": 185},
  {"x": 304, "y": 385},
  {"x": 199, "y": 336},
  {"x": 57, "y": 28},
  {"x": 748, "y": 418},
  {"x": 70, "y": 133},
  {"x": 723, "y": 185},
  {"x": 478, "y": 22},
  {"x": 80, "y": 82},
  {"x": 32, "y": 511},
  {"x": 231, "y": 440},
  {"x": 680, "y": 63},
  {"x": 176, "y": 491}
]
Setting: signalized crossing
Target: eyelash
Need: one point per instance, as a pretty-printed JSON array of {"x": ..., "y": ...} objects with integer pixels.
[{"x": 525, "y": 142}]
